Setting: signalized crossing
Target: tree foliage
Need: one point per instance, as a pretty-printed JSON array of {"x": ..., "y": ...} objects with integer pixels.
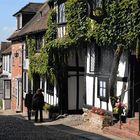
[
  {"x": 120, "y": 29},
  {"x": 121, "y": 26},
  {"x": 77, "y": 21}
]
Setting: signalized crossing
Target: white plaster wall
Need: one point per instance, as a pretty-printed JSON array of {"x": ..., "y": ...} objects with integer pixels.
[
  {"x": 104, "y": 105},
  {"x": 124, "y": 94},
  {"x": 89, "y": 90},
  {"x": 50, "y": 99},
  {"x": 88, "y": 60},
  {"x": 97, "y": 100},
  {"x": 109, "y": 106},
  {"x": 123, "y": 65},
  {"x": 45, "y": 87},
  {"x": 119, "y": 88},
  {"x": 55, "y": 94},
  {"x": 121, "y": 69}
]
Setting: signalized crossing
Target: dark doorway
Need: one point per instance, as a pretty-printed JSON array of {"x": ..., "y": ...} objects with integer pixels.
[{"x": 136, "y": 83}]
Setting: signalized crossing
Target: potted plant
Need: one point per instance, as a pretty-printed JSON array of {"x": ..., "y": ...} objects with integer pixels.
[
  {"x": 119, "y": 110},
  {"x": 114, "y": 100},
  {"x": 122, "y": 110},
  {"x": 46, "y": 108}
]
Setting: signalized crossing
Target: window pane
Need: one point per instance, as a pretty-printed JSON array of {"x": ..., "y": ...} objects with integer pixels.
[
  {"x": 102, "y": 88},
  {"x": 104, "y": 92},
  {"x": 61, "y": 13},
  {"x": 104, "y": 84},
  {"x": 7, "y": 89},
  {"x": 101, "y": 84},
  {"x": 101, "y": 91}
]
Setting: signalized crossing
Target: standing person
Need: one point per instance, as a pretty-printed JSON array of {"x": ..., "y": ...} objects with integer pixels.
[
  {"x": 28, "y": 104},
  {"x": 38, "y": 103}
]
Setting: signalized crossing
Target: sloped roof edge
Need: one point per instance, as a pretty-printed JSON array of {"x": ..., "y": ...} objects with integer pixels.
[
  {"x": 22, "y": 9},
  {"x": 35, "y": 25}
]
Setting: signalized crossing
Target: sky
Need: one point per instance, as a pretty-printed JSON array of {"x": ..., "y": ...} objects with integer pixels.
[{"x": 7, "y": 20}]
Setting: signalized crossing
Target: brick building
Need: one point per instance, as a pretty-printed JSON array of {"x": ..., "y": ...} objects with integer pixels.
[{"x": 23, "y": 16}]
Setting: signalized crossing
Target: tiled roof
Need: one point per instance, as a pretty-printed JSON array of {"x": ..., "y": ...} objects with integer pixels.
[
  {"x": 7, "y": 51},
  {"x": 37, "y": 24},
  {"x": 30, "y": 7},
  {"x": 4, "y": 45}
]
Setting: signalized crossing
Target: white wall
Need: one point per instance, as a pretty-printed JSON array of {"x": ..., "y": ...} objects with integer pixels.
[
  {"x": 89, "y": 90},
  {"x": 91, "y": 81},
  {"x": 122, "y": 87},
  {"x": 25, "y": 60},
  {"x": 50, "y": 99}
]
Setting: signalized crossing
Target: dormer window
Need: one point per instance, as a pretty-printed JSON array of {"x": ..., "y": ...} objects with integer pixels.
[
  {"x": 19, "y": 21},
  {"x": 61, "y": 13}
]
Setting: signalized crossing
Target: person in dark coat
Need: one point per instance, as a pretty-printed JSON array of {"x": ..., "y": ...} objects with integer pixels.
[
  {"x": 28, "y": 104},
  {"x": 38, "y": 103}
]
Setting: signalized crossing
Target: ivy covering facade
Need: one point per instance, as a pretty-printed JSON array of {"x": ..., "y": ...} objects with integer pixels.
[
  {"x": 54, "y": 49},
  {"x": 119, "y": 29}
]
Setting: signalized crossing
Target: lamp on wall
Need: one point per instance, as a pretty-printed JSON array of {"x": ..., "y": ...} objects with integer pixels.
[{"x": 16, "y": 54}]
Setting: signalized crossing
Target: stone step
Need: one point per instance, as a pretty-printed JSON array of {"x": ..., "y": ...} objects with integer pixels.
[
  {"x": 128, "y": 130},
  {"x": 131, "y": 126},
  {"x": 121, "y": 133}
]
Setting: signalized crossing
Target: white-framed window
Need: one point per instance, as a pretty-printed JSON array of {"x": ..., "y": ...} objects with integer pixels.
[
  {"x": 103, "y": 88},
  {"x": 61, "y": 31},
  {"x": 61, "y": 13}
]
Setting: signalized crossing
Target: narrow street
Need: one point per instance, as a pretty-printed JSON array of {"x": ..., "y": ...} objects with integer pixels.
[{"x": 16, "y": 127}]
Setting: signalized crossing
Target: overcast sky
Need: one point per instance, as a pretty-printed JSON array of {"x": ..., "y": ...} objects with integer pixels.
[{"x": 7, "y": 21}]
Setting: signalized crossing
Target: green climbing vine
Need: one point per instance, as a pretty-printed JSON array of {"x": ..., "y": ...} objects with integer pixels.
[
  {"x": 77, "y": 31},
  {"x": 37, "y": 61}
]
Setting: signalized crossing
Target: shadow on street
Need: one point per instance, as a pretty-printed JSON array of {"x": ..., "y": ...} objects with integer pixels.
[{"x": 16, "y": 127}]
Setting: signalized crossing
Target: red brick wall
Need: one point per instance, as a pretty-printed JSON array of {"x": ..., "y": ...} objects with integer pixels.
[
  {"x": 13, "y": 103},
  {"x": 16, "y": 70}
]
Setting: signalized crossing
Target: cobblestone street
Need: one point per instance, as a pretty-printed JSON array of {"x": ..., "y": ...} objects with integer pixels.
[{"x": 16, "y": 127}]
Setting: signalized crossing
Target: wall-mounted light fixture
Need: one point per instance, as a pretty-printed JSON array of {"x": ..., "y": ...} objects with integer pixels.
[{"x": 16, "y": 54}]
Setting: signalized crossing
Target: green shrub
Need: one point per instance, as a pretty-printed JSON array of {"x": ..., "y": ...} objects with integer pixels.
[
  {"x": 1, "y": 104},
  {"x": 51, "y": 108},
  {"x": 46, "y": 107}
]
